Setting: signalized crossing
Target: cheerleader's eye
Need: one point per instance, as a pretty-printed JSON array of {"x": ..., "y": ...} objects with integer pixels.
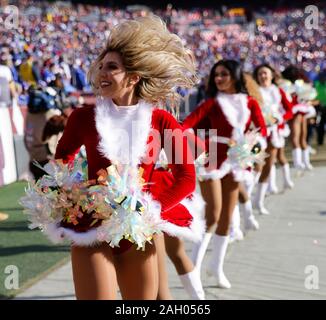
[{"x": 111, "y": 66}]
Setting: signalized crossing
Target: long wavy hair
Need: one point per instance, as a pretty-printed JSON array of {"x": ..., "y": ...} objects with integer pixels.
[
  {"x": 253, "y": 88},
  {"x": 294, "y": 73},
  {"x": 150, "y": 50},
  {"x": 234, "y": 67},
  {"x": 265, "y": 65}
]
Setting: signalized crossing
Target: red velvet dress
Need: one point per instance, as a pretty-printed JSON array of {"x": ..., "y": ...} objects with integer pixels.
[
  {"x": 302, "y": 108},
  {"x": 276, "y": 98},
  {"x": 228, "y": 118},
  {"x": 89, "y": 127}
]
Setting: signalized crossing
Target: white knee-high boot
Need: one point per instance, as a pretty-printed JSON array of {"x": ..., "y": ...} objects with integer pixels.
[
  {"x": 306, "y": 159},
  {"x": 250, "y": 184},
  {"x": 260, "y": 197},
  {"x": 220, "y": 245},
  {"x": 199, "y": 250},
  {"x": 235, "y": 230},
  {"x": 297, "y": 159},
  {"x": 272, "y": 187},
  {"x": 287, "y": 182},
  {"x": 192, "y": 284},
  {"x": 250, "y": 222}
]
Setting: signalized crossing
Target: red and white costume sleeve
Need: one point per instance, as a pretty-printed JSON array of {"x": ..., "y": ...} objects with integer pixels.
[
  {"x": 229, "y": 115},
  {"x": 188, "y": 212},
  {"x": 135, "y": 136},
  {"x": 276, "y": 99},
  {"x": 303, "y": 108}
]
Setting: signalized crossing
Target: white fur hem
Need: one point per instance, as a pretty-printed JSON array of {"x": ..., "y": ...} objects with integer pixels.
[
  {"x": 285, "y": 132},
  {"x": 226, "y": 168},
  {"x": 194, "y": 232},
  {"x": 196, "y": 207},
  {"x": 57, "y": 234},
  {"x": 277, "y": 140},
  {"x": 308, "y": 110}
]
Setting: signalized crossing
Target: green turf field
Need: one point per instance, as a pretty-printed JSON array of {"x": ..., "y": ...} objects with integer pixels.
[{"x": 26, "y": 249}]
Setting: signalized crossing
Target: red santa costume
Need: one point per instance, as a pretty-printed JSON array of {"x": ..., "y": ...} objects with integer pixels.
[
  {"x": 231, "y": 116},
  {"x": 301, "y": 93},
  {"x": 131, "y": 135},
  {"x": 302, "y": 107},
  {"x": 278, "y": 106}
]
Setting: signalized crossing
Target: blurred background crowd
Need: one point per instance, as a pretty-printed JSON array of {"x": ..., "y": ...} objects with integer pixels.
[
  {"x": 62, "y": 39},
  {"x": 46, "y": 50}
]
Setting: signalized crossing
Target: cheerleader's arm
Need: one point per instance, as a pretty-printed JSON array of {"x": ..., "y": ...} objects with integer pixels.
[
  {"x": 71, "y": 140},
  {"x": 180, "y": 161},
  {"x": 257, "y": 116},
  {"x": 195, "y": 127},
  {"x": 198, "y": 115},
  {"x": 287, "y": 105}
]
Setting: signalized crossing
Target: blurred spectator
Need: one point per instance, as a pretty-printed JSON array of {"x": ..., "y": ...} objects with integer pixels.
[
  {"x": 71, "y": 36},
  {"x": 320, "y": 86},
  {"x": 44, "y": 124},
  {"x": 79, "y": 76},
  {"x": 28, "y": 72},
  {"x": 7, "y": 85}
]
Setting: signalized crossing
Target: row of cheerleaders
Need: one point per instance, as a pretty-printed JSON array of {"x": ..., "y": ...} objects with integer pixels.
[{"x": 130, "y": 187}]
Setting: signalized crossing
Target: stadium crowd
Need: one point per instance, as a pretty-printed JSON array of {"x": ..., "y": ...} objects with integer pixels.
[{"x": 61, "y": 38}]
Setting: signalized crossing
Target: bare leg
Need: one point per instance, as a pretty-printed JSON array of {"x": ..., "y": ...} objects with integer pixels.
[
  {"x": 281, "y": 157},
  {"x": 243, "y": 196},
  {"x": 303, "y": 133},
  {"x": 295, "y": 125},
  {"x": 93, "y": 273},
  {"x": 212, "y": 195},
  {"x": 258, "y": 167},
  {"x": 177, "y": 253},
  {"x": 304, "y": 145},
  {"x": 188, "y": 274},
  {"x": 230, "y": 194},
  {"x": 263, "y": 183},
  {"x": 211, "y": 192},
  {"x": 269, "y": 161},
  {"x": 163, "y": 286},
  {"x": 137, "y": 273},
  {"x": 296, "y": 128}
]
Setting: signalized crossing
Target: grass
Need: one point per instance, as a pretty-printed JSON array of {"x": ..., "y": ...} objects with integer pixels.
[{"x": 28, "y": 250}]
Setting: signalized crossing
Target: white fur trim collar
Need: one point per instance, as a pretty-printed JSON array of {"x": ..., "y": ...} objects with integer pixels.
[
  {"x": 235, "y": 110},
  {"x": 271, "y": 95},
  {"x": 123, "y": 135}
]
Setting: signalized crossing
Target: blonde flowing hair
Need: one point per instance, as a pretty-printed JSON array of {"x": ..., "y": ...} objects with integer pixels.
[
  {"x": 148, "y": 49},
  {"x": 252, "y": 87}
]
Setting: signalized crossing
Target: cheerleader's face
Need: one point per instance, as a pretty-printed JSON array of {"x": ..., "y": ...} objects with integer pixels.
[
  {"x": 265, "y": 77},
  {"x": 223, "y": 80},
  {"x": 114, "y": 80}
]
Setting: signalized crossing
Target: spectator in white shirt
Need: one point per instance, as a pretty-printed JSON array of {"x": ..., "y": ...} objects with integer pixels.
[{"x": 7, "y": 84}]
